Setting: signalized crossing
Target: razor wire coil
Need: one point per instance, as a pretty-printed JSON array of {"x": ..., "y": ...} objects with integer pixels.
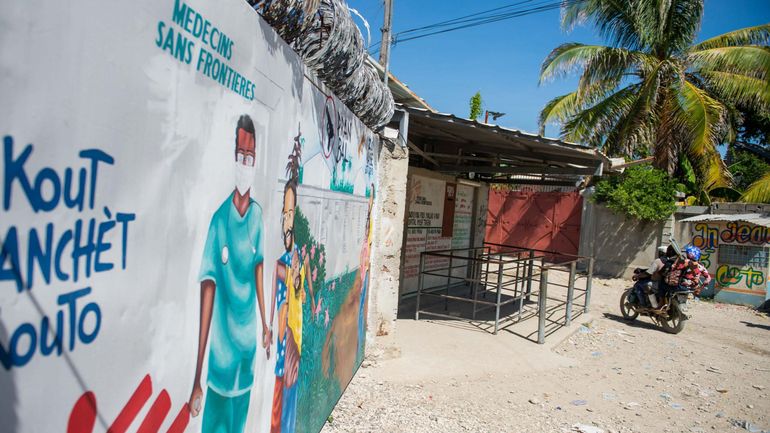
[{"x": 323, "y": 33}]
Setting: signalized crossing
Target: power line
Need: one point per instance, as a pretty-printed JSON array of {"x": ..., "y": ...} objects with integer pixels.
[
  {"x": 481, "y": 18},
  {"x": 488, "y": 20},
  {"x": 458, "y": 19}
]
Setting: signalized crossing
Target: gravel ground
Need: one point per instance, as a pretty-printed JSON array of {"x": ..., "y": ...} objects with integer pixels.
[{"x": 713, "y": 377}]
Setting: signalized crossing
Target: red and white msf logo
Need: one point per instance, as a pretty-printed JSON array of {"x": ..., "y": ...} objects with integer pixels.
[{"x": 83, "y": 415}]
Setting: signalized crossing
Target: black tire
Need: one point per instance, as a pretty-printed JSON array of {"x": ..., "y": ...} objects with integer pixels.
[
  {"x": 676, "y": 321},
  {"x": 626, "y": 308}
]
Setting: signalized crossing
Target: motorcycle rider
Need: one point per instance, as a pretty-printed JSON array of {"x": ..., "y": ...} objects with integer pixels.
[
  {"x": 664, "y": 254},
  {"x": 656, "y": 271}
]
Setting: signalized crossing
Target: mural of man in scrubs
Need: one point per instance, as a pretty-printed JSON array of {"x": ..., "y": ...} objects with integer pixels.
[
  {"x": 231, "y": 292},
  {"x": 289, "y": 298}
]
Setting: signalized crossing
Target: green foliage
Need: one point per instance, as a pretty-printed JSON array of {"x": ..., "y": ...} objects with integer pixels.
[
  {"x": 653, "y": 90},
  {"x": 307, "y": 244},
  {"x": 746, "y": 167},
  {"x": 725, "y": 194},
  {"x": 319, "y": 392},
  {"x": 475, "y": 106},
  {"x": 754, "y": 126},
  {"x": 687, "y": 176},
  {"x": 759, "y": 191},
  {"x": 641, "y": 192}
]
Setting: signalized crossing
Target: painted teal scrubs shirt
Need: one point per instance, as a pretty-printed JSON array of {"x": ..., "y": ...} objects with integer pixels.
[{"x": 233, "y": 250}]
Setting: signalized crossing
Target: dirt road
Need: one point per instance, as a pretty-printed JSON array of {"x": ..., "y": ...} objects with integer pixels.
[{"x": 616, "y": 377}]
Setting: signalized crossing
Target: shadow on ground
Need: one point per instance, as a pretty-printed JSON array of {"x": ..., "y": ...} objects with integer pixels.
[
  {"x": 516, "y": 317},
  {"x": 638, "y": 323},
  {"x": 756, "y": 325}
]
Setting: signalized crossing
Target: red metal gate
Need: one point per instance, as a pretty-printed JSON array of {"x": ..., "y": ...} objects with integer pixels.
[{"x": 548, "y": 221}]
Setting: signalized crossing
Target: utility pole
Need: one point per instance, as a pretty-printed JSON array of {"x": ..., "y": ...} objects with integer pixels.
[{"x": 386, "y": 39}]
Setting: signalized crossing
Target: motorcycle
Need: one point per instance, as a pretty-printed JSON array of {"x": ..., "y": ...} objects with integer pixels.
[{"x": 667, "y": 310}]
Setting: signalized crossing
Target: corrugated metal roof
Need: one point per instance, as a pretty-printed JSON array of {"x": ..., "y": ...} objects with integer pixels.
[
  {"x": 448, "y": 117},
  {"x": 753, "y": 218},
  {"x": 449, "y": 134}
]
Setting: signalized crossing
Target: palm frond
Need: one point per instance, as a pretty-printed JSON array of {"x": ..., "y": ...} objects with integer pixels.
[
  {"x": 704, "y": 118},
  {"x": 614, "y": 64},
  {"x": 703, "y": 115},
  {"x": 614, "y": 19},
  {"x": 564, "y": 107},
  {"x": 591, "y": 124},
  {"x": 733, "y": 120},
  {"x": 738, "y": 88},
  {"x": 679, "y": 22},
  {"x": 716, "y": 174},
  {"x": 757, "y": 35},
  {"x": 567, "y": 58},
  {"x": 599, "y": 63},
  {"x": 558, "y": 110},
  {"x": 749, "y": 60},
  {"x": 759, "y": 191},
  {"x": 635, "y": 128}
]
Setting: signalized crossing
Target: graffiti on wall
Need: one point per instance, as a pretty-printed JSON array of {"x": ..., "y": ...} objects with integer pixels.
[
  {"x": 706, "y": 256},
  {"x": 709, "y": 236},
  {"x": 735, "y": 235},
  {"x": 706, "y": 237},
  {"x": 742, "y": 233},
  {"x": 206, "y": 271},
  {"x": 732, "y": 276}
]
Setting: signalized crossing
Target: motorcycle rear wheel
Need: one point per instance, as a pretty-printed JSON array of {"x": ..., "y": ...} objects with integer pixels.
[
  {"x": 675, "y": 322},
  {"x": 626, "y": 309}
]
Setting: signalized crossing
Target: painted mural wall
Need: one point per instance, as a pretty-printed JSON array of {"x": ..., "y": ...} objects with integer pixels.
[
  {"x": 184, "y": 226},
  {"x": 737, "y": 255}
]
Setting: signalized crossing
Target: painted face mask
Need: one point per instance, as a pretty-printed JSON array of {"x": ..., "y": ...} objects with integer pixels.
[{"x": 244, "y": 175}]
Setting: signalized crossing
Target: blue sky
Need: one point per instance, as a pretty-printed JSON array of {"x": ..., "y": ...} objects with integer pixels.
[{"x": 502, "y": 60}]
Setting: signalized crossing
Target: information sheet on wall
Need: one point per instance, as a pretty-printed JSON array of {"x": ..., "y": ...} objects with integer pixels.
[
  {"x": 425, "y": 219},
  {"x": 174, "y": 189}
]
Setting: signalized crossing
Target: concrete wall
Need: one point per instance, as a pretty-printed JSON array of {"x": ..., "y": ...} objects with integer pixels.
[
  {"x": 387, "y": 240},
  {"x": 617, "y": 243},
  {"x": 621, "y": 244},
  {"x": 738, "y": 208},
  {"x": 480, "y": 215}
]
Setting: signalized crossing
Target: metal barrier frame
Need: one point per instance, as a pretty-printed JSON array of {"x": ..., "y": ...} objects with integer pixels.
[{"x": 516, "y": 263}]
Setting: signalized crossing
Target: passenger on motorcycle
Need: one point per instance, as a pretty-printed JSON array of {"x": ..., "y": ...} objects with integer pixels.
[
  {"x": 686, "y": 273},
  {"x": 696, "y": 276},
  {"x": 657, "y": 266}
]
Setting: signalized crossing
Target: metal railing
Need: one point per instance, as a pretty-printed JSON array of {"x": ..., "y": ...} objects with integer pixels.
[{"x": 507, "y": 274}]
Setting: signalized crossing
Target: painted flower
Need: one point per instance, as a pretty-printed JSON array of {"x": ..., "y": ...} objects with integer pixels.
[
  {"x": 315, "y": 273},
  {"x": 326, "y": 317},
  {"x": 312, "y": 252}
]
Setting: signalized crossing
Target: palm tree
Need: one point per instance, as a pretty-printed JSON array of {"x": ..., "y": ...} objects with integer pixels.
[
  {"x": 759, "y": 191},
  {"x": 654, "y": 92}
]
